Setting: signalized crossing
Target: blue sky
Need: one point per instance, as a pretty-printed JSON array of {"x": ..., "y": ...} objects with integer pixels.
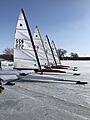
[{"x": 67, "y": 22}]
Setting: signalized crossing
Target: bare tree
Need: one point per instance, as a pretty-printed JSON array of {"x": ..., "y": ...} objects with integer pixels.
[
  {"x": 61, "y": 53},
  {"x": 8, "y": 51},
  {"x": 7, "y": 54},
  {"x": 74, "y": 55}
]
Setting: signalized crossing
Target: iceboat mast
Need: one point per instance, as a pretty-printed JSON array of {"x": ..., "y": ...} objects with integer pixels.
[
  {"x": 31, "y": 39},
  {"x": 42, "y": 45},
  {"x": 56, "y": 51},
  {"x": 22, "y": 37},
  {"x": 51, "y": 50}
]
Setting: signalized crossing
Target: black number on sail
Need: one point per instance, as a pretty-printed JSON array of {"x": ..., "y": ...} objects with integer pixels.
[{"x": 19, "y": 43}]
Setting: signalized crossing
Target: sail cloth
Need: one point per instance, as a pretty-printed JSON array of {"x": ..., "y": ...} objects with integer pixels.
[
  {"x": 39, "y": 45},
  {"x": 48, "y": 51},
  {"x": 24, "y": 55},
  {"x": 55, "y": 52}
]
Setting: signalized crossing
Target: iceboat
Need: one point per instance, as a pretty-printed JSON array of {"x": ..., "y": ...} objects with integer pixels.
[
  {"x": 26, "y": 57},
  {"x": 52, "y": 51},
  {"x": 46, "y": 55},
  {"x": 58, "y": 62},
  {"x": 25, "y": 54},
  {"x": 46, "y": 58}
]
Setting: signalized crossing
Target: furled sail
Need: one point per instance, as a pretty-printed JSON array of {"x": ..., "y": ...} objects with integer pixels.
[
  {"x": 55, "y": 52},
  {"x": 24, "y": 54},
  {"x": 39, "y": 45},
  {"x": 48, "y": 51}
]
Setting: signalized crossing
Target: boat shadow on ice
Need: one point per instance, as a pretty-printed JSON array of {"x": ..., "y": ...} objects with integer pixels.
[
  {"x": 41, "y": 79},
  {"x": 23, "y": 77}
]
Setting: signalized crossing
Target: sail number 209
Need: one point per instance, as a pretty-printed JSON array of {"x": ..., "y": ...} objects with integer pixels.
[{"x": 19, "y": 43}]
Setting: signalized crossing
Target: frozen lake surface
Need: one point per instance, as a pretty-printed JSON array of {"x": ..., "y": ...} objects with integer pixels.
[{"x": 48, "y": 101}]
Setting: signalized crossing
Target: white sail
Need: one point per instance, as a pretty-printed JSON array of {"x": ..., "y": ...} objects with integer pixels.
[
  {"x": 55, "y": 52},
  {"x": 48, "y": 51},
  {"x": 24, "y": 56},
  {"x": 39, "y": 45}
]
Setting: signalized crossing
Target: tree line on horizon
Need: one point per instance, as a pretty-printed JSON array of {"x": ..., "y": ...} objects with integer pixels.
[{"x": 8, "y": 55}]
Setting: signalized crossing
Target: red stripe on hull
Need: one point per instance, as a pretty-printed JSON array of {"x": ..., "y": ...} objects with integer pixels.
[
  {"x": 50, "y": 70},
  {"x": 59, "y": 67}
]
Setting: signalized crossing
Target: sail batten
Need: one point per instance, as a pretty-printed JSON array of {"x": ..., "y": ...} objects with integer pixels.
[{"x": 21, "y": 29}]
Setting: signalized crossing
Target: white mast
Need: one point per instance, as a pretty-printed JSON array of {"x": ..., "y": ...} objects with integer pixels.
[{"x": 24, "y": 54}]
